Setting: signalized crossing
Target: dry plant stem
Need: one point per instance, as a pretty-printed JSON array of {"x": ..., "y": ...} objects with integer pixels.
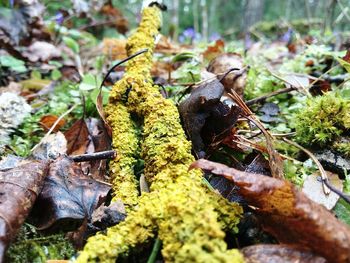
[
  {"x": 335, "y": 190},
  {"x": 54, "y": 126},
  {"x": 264, "y": 97},
  {"x": 275, "y": 160},
  {"x": 323, "y": 173},
  {"x": 305, "y": 89},
  {"x": 254, "y": 146},
  {"x": 321, "y": 76},
  {"x": 94, "y": 156}
]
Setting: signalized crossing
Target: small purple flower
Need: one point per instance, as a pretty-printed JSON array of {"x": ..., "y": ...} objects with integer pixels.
[
  {"x": 247, "y": 41},
  {"x": 287, "y": 37},
  {"x": 214, "y": 36},
  {"x": 189, "y": 33},
  {"x": 12, "y": 3},
  {"x": 59, "y": 17}
]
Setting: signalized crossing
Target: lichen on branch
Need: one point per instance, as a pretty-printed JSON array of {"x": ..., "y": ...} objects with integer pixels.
[{"x": 188, "y": 218}]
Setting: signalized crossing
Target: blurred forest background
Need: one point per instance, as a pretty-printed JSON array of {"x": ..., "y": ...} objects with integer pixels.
[{"x": 213, "y": 19}]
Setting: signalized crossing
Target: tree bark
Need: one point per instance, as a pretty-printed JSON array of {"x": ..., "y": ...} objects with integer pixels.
[{"x": 253, "y": 12}]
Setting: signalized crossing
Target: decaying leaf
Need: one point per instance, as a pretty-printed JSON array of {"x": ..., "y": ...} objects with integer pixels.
[
  {"x": 214, "y": 50},
  {"x": 41, "y": 51},
  {"x": 100, "y": 141},
  {"x": 106, "y": 216},
  {"x": 288, "y": 214},
  {"x": 47, "y": 121},
  {"x": 228, "y": 189},
  {"x": 205, "y": 116},
  {"x": 114, "y": 48},
  {"x": 279, "y": 254},
  {"x": 120, "y": 22},
  {"x": 235, "y": 80},
  {"x": 19, "y": 188},
  {"x": 101, "y": 112},
  {"x": 77, "y": 138},
  {"x": 67, "y": 197}
]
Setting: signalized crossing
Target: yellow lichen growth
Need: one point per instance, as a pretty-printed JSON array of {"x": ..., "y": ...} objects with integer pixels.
[
  {"x": 125, "y": 142},
  {"x": 187, "y": 217}
]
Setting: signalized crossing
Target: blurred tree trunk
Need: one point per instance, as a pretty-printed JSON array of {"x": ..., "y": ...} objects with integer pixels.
[
  {"x": 308, "y": 11},
  {"x": 204, "y": 12},
  {"x": 195, "y": 15},
  {"x": 288, "y": 9},
  {"x": 213, "y": 17},
  {"x": 253, "y": 12},
  {"x": 174, "y": 31},
  {"x": 329, "y": 15}
]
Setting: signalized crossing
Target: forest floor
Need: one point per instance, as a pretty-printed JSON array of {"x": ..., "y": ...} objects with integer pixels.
[{"x": 268, "y": 119}]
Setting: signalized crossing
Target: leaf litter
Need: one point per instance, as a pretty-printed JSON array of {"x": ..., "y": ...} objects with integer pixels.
[{"x": 237, "y": 119}]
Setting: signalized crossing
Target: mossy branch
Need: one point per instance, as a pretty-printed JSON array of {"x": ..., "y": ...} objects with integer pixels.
[{"x": 188, "y": 218}]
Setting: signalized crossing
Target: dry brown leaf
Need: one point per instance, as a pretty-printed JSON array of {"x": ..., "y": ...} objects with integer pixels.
[
  {"x": 48, "y": 121},
  {"x": 288, "y": 214},
  {"x": 235, "y": 80},
  {"x": 19, "y": 188},
  {"x": 100, "y": 141},
  {"x": 214, "y": 50},
  {"x": 279, "y": 254},
  {"x": 165, "y": 45},
  {"x": 347, "y": 56},
  {"x": 68, "y": 197},
  {"x": 114, "y": 48},
  {"x": 101, "y": 112},
  {"x": 120, "y": 22},
  {"x": 77, "y": 138}
]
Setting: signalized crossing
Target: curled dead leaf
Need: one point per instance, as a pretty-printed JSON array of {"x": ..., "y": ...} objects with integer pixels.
[
  {"x": 235, "y": 80},
  {"x": 19, "y": 188},
  {"x": 279, "y": 254},
  {"x": 288, "y": 213}
]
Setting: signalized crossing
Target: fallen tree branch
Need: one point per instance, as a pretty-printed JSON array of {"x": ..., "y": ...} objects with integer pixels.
[{"x": 94, "y": 156}]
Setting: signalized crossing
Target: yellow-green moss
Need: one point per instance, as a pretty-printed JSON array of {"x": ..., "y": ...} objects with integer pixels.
[
  {"x": 323, "y": 119},
  {"x": 188, "y": 218}
]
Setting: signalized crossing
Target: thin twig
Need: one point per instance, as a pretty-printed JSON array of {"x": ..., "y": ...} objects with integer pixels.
[
  {"x": 54, "y": 126},
  {"x": 305, "y": 89},
  {"x": 262, "y": 149},
  {"x": 274, "y": 93},
  {"x": 323, "y": 173},
  {"x": 289, "y": 134},
  {"x": 335, "y": 190},
  {"x": 94, "y": 156},
  {"x": 121, "y": 62}
]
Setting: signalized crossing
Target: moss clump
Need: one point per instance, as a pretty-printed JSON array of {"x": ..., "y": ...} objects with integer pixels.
[
  {"x": 323, "y": 119},
  {"x": 188, "y": 218},
  {"x": 343, "y": 147}
]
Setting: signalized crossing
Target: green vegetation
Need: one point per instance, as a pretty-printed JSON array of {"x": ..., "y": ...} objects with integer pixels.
[
  {"x": 323, "y": 119},
  {"x": 31, "y": 246}
]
